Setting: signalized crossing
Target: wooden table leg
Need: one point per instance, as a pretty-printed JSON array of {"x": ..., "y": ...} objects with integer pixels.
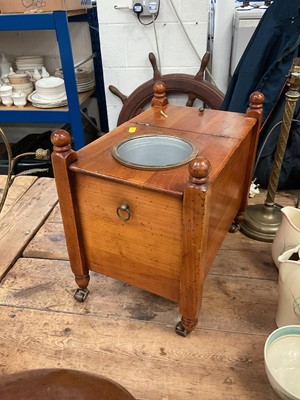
[
  {"x": 62, "y": 157},
  {"x": 195, "y": 222}
]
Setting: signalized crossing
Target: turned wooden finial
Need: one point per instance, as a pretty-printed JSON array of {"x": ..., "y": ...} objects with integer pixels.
[
  {"x": 255, "y": 109},
  {"x": 256, "y": 100},
  {"x": 199, "y": 169},
  {"x": 61, "y": 141},
  {"x": 159, "y": 99}
]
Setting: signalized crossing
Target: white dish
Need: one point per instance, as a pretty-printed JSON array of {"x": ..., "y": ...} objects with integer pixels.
[
  {"x": 28, "y": 57},
  {"x": 20, "y": 86},
  {"x": 282, "y": 361},
  {"x": 50, "y": 97},
  {"x": 50, "y": 90},
  {"x": 90, "y": 81},
  {"x": 82, "y": 90},
  {"x": 34, "y": 65},
  {"x": 39, "y": 105},
  {"x": 50, "y": 82},
  {"x": 85, "y": 83},
  {"x": 35, "y": 98}
]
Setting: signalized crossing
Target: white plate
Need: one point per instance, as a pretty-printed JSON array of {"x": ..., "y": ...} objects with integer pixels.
[
  {"x": 85, "y": 86},
  {"x": 35, "y": 98},
  {"x": 88, "y": 87},
  {"x": 28, "y": 57},
  {"x": 84, "y": 81},
  {"x": 51, "y": 96},
  {"x": 32, "y": 65},
  {"x": 39, "y": 105},
  {"x": 59, "y": 89}
]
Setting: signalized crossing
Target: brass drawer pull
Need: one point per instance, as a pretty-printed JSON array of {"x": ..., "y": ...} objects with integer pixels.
[{"x": 123, "y": 212}]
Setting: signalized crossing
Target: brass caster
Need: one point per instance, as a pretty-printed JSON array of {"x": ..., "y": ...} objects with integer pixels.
[
  {"x": 180, "y": 330},
  {"x": 81, "y": 294}
]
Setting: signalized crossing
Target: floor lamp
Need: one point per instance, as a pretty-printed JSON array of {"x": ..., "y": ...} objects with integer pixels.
[{"x": 262, "y": 220}]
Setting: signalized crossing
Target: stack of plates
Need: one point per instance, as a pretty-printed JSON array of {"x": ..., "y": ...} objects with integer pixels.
[
  {"x": 39, "y": 102},
  {"x": 51, "y": 88},
  {"x": 50, "y": 93},
  {"x": 29, "y": 63},
  {"x": 20, "y": 82},
  {"x": 85, "y": 79}
]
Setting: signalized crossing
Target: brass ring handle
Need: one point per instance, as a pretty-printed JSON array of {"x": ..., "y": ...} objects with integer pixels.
[{"x": 123, "y": 212}]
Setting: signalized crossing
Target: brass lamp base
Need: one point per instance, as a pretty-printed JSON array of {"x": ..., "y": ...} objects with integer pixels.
[{"x": 261, "y": 222}]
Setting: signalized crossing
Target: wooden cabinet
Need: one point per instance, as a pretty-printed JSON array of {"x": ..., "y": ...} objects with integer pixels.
[{"x": 174, "y": 219}]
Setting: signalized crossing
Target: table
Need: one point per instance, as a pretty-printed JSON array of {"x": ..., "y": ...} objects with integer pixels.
[
  {"x": 63, "y": 384},
  {"x": 178, "y": 217}
]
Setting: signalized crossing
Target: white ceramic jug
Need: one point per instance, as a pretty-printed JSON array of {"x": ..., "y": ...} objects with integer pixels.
[
  {"x": 288, "y": 309},
  {"x": 288, "y": 233}
]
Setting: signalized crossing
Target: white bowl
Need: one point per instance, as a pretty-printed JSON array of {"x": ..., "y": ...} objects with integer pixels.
[
  {"x": 21, "y": 86},
  {"x": 19, "y": 98},
  {"x": 51, "y": 88},
  {"x": 282, "y": 361},
  {"x": 7, "y": 100},
  {"x": 49, "y": 83},
  {"x": 6, "y": 90},
  {"x": 18, "y": 78}
]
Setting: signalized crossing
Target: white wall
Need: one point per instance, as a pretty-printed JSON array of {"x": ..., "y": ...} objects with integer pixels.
[{"x": 125, "y": 44}]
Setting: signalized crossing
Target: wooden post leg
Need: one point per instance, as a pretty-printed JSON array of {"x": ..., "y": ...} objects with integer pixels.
[
  {"x": 255, "y": 110},
  {"x": 195, "y": 228},
  {"x": 62, "y": 156}
]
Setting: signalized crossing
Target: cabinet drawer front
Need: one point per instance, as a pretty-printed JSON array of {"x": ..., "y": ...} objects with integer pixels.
[{"x": 145, "y": 250}]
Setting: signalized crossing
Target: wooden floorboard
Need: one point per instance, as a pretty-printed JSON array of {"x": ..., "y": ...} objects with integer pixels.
[
  {"x": 17, "y": 189},
  {"x": 128, "y": 335},
  {"x": 231, "y": 304},
  {"x": 148, "y": 359},
  {"x": 23, "y": 220}
]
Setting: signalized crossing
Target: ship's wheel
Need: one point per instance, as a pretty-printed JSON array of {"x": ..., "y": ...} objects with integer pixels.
[{"x": 195, "y": 87}]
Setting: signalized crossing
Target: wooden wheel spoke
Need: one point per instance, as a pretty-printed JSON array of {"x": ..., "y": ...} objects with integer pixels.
[{"x": 194, "y": 86}]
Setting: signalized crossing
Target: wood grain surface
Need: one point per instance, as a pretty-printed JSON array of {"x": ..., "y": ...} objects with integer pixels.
[
  {"x": 23, "y": 219},
  {"x": 127, "y": 334}
]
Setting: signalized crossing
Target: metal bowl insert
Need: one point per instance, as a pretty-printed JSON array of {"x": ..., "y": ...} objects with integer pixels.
[{"x": 154, "y": 152}]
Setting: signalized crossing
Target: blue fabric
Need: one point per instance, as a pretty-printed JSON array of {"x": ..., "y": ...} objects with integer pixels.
[{"x": 267, "y": 59}]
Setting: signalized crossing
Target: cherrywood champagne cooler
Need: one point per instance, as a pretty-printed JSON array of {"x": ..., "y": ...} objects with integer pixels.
[{"x": 159, "y": 228}]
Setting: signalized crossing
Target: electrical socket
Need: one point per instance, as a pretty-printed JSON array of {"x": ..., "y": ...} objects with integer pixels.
[{"x": 150, "y": 7}]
